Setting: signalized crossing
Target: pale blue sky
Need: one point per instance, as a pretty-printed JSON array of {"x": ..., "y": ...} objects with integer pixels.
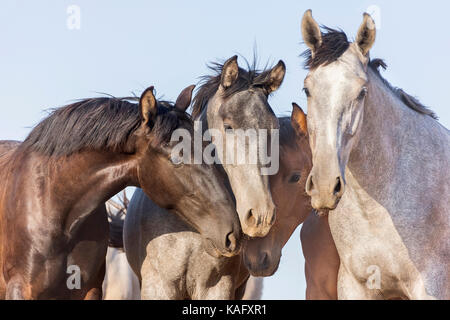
[{"x": 125, "y": 46}]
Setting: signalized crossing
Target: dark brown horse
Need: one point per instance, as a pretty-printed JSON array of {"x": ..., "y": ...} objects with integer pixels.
[{"x": 55, "y": 184}]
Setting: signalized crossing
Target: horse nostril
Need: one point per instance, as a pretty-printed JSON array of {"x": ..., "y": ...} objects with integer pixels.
[
  {"x": 230, "y": 242},
  {"x": 265, "y": 261},
  {"x": 272, "y": 220},
  {"x": 309, "y": 185},
  {"x": 338, "y": 187},
  {"x": 250, "y": 218}
]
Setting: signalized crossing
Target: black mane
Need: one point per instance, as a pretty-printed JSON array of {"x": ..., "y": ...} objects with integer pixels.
[
  {"x": 288, "y": 136},
  {"x": 407, "y": 99},
  {"x": 334, "y": 44},
  {"x": 252, "y": 77},
  {"x": 98, "y": 124}
]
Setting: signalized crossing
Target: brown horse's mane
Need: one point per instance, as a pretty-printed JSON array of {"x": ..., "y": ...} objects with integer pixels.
[
  {"x": 288, "y": 136},
  {"x": 98, "y": 124},
  {"x": 209, "y": 84},
  {"x": 334, "y": 44}
]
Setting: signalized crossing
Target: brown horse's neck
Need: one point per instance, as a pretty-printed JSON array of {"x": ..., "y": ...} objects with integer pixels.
[{"x": 77, "y": 184}]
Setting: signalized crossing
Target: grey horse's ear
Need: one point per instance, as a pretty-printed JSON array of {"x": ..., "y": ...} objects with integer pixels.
[
  {"x": 230, "y": 72},
  {"x": 298, "y": 120},
  {"x": 275, "y": 77},
  {"x": 148, "y": 106},
  {"x": 312, "y": 36},
  {"x": 366, "y": 34},
  {"x": 184, "y": 98}
]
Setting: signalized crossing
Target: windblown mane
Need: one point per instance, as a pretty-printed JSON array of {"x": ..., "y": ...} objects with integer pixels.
[
  {"x": 210, "y": 84},
  {"x": 410, "y": 101},
  {"x": 98, "y": 124},
  {"x": 334, "y": 44}
]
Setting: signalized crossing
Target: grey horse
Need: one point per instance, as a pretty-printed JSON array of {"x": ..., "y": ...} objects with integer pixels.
[{"x": 381, "y": 163}]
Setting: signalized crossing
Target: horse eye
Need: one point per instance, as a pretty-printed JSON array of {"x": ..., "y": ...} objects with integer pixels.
[
  {"x": 362, "y": 94},
  {"x": 308, "y": 94},
  {"x": 294, "y": 178},
  {"x": 226, "y": 126}
]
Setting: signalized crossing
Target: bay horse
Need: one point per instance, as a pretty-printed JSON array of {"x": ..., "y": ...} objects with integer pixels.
[
  {"x": 7, "y": 146},
  {"x": 261, "y": 256},
  {"x": 230, "y": 101},
  {"x": 167, "y": 255},
  {"x": 54, "y": 183},
  {"x": 381, "y": 164},
  {"x": 321, "y": 258}
]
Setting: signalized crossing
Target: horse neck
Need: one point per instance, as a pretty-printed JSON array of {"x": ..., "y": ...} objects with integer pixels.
[
  {"x": 387, "y": 126},
  {"x": 83, "y": 181}
]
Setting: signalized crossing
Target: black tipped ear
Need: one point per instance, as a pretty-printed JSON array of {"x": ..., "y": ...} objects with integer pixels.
[
  {"x": 298, "y": 120},
  {"x": 312, "y": 36},
  {"x": 366, "y": 34},
  {"x": 275, "y": 77},
  {"x": 230, "y": 72},
  {"x": 184, "y": 98},
  {"x": 148, "y": 105}
]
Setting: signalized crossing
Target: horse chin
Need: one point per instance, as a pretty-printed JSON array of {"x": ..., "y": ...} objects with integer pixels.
[
  {"x": 321, "y": 205},
  {"x": 211, "y": 249},
  {"x": 321, "y": 213},
  {"x": 268, "y": 272}
]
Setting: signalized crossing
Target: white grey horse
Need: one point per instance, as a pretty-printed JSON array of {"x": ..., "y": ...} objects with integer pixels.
[{"x": 382, "y": 162}]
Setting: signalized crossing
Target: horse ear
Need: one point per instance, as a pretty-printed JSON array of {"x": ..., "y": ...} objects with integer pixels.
[
  {"x": 366, "y": 34},
  {"x": 148, "y": 105},
  {"x": 311, "y": 32},
  {"x": 275, "y": 77},
  {"x": 230, "y": 72},
  {"x": 298, "y": 120},
  {"x": 184, "y": 98}
]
